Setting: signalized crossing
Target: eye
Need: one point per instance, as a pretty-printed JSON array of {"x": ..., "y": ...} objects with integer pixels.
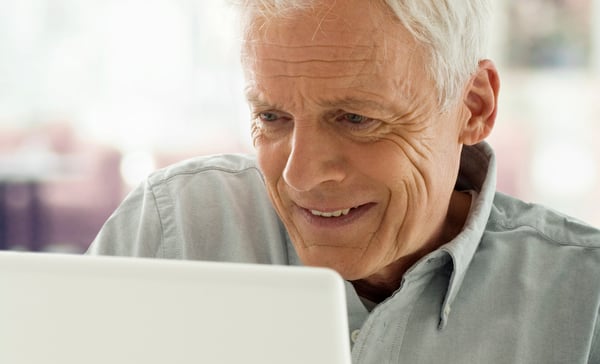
[
  {"x": 355, "y": 118},
  {"x": 270, "y": 122},
  {"x": 268, "y": 116},
  {"x": 357, "y": 122}
]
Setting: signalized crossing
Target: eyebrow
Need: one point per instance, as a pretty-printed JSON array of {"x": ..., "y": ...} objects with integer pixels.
[
  {"x": 353, "y": 103},
  {"x": 255, "y": 99}
]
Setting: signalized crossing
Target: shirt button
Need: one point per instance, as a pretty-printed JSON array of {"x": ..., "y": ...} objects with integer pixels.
[{"x": 354, "y": 336}]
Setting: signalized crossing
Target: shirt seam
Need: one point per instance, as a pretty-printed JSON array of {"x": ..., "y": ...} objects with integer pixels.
[
  {"x": 367, "y": 331},
  {"x": 167, "y": 178},
  {"x": 162, "y": 248},
  {"x": 162, "y": 180},
  {"x": 595, "y": 349},
  {"x": 400, "y": 335},
  {"x": 543, "y": 234}
]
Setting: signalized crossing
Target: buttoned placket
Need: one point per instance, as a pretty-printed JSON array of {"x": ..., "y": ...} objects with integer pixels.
[{"x": 386, "y": 325}]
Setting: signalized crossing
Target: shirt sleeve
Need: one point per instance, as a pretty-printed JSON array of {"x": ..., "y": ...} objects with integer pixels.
[{"x": 134, "y": 229}]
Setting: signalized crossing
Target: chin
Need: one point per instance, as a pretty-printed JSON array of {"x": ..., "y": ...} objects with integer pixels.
[{"x": 345, "y": 263}]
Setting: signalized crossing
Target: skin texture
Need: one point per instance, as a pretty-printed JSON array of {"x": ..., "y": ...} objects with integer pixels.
[{"x": 346, "y": 117}]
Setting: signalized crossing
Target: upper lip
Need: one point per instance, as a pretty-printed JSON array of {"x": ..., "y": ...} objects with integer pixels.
[
  {"x": 329, "y": 208},
  {"x": 321, "y": 209},
  {"x": 335, "y": 213},
  {"x": 323, "y": 204}
]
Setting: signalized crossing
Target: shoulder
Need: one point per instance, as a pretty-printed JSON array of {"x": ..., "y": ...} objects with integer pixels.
[
  {"x": 211, "y": 165},
  {"x": 212, "y": 185},
  {"x": 511, "y": 215},
  {"x": 206, "y": 208}
]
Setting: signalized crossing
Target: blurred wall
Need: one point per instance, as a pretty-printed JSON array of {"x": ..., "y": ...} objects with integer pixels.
[{"x": 101, "y": 92}]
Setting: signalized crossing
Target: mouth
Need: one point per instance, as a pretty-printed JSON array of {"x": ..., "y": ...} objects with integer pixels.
[
  {"x": 336, "y": 213},
  {"x": 334, "y": 218}
]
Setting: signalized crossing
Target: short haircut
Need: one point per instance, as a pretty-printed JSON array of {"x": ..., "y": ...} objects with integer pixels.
[{"x": 453, "y": 33}]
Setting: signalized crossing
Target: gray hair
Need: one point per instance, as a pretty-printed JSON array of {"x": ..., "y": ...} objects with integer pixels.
[{"x": 454, "y": 33}]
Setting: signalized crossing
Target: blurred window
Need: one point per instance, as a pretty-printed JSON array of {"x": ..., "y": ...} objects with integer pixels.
[{"x": 156, "y": 81}]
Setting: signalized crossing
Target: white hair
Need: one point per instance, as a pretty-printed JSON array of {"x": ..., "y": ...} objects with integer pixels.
[{"x": 454, "y": 33}]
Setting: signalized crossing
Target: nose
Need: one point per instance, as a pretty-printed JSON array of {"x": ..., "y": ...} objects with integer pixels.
[{"x": 315, "y": 158}]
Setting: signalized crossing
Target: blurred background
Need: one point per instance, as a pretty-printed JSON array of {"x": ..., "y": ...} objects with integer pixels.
[{"x": 96, "y": 94}]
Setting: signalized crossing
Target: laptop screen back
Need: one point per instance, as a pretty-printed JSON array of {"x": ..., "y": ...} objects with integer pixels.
[{"x": 82, "y": 309}]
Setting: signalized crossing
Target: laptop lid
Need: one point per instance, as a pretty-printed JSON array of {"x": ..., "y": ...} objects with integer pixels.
[{"x": 72, "y": 309}]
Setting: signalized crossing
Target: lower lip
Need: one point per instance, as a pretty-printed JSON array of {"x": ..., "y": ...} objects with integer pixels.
[{"x": 333, "y": 222}]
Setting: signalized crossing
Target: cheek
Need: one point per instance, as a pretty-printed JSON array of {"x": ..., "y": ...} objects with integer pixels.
[
  {"x": 416, "y": 176},
  {"x": 255, "y": 133},
  {"x": 267, "y": 162},
  {"x": 394, "y": 161},
  {"x": 272, "y": 159},
  {"x": 426, "y": 154}
]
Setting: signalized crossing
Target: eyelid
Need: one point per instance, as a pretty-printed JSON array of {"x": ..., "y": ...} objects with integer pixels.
[
  {"x": 347, "y": 115},
  {"x": 342, "y": 114},
  {"x": 278, "y": 114},
  {"x": 368, "y": 123},
  {"x": 261, "y": 115}
]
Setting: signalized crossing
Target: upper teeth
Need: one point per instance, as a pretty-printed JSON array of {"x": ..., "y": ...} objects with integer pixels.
[{"x": 330, "y": 214}]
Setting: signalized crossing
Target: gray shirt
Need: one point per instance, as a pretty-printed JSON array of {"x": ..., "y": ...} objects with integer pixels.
[{"x": 519, "y": 284}]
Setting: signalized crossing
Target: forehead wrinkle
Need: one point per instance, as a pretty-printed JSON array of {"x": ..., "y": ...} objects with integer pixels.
[
  {"x": 327, "y": 51},
  {"x": 302, "y": 46},
  {"x": 314, "y": 69},
  {"x": 326, "y": 63},
  {"x": 315, "y": 60},
  {"x": 259, "y": 100},
  {"x": 384, "y": 101},
  {"x": 352, "y": 103},
  {"x": 308, "y": 76}
]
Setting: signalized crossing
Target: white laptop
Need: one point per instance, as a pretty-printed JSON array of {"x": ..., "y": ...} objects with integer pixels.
[{"x": 69, "y": 309}]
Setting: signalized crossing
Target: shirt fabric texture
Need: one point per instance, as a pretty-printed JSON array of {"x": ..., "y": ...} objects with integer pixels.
[{"x": 519, "y": 284}]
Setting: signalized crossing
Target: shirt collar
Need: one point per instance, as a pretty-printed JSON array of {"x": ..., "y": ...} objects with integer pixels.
[{"x": 478, "y": 173}]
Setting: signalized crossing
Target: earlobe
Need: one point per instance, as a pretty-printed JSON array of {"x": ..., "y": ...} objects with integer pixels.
[{"x": 481, "y": 101}]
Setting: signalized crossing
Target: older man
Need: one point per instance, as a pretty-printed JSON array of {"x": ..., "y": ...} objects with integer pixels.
[{"x": 368, "y": 119}]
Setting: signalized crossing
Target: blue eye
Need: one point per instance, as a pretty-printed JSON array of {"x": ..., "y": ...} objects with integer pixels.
[
  {"x": 268, "y": 116},
  {"x": 357, "y": 122},
  {"x": 354, "y": 118}
]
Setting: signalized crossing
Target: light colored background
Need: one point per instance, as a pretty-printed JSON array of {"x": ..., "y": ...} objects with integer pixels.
[{"x": 155, "y": 81}]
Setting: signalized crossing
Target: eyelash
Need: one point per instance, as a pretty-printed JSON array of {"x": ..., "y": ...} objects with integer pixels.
[
  {"x": 365, "y": 122},
  {"x": 261, "y": 115},
  {"x": 341, "y": 117}
]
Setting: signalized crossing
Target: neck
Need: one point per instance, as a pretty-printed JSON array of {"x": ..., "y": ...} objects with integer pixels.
[
  {"x": 380, "y": 286},
  {"x": 383, "y": 284}
]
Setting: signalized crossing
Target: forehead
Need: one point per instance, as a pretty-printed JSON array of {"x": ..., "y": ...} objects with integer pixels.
[
  {"x": 350, "y": 44},
  {"x": 325, "y": 17},
  {"x": 351, "y": 24}
]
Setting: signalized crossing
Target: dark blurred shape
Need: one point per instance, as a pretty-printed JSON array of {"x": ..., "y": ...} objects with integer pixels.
[{"x": 56, "y": 190}]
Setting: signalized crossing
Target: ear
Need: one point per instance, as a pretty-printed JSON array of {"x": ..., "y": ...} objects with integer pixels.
[{"x": 481, "y": 101}]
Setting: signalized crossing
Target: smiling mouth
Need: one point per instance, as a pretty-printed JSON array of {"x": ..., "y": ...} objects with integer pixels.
[
  {"x": 335, "y": 218},
  {"x": 337, "y": 213}
]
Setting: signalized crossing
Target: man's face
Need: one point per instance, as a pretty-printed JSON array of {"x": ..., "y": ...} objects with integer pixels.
[{"x": 359, "y": 162}]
